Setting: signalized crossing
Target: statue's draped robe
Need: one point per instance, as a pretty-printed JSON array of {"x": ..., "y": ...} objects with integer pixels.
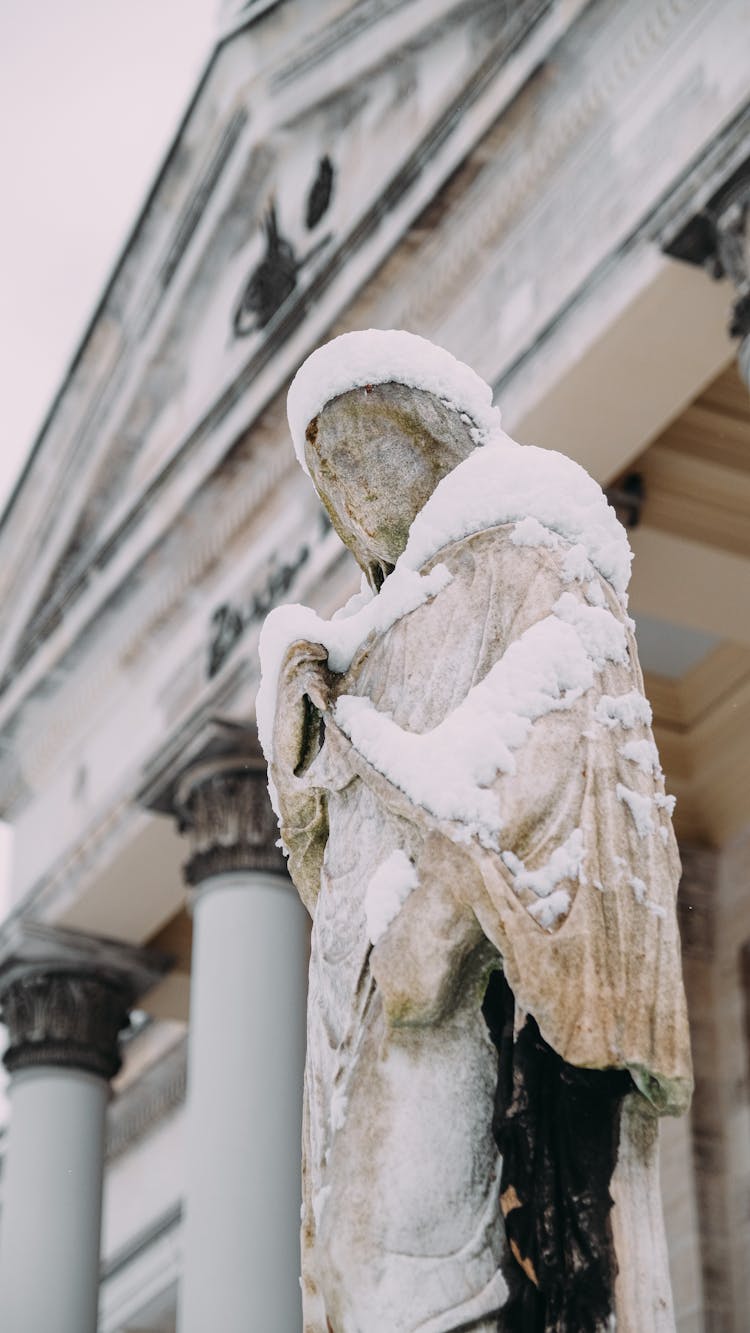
[{"x": 603, "y": 982}]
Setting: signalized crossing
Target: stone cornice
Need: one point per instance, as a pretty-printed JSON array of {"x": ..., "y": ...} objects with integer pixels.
[
  {"x": 65, "y": 996},
  {"x": 428, "y": 161},
  {"x": 717, "y": 237},
  {"x": 478, "y": 267}
]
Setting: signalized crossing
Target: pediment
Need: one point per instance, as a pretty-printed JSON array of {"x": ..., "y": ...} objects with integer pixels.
[{"x": 297, "y": 170}]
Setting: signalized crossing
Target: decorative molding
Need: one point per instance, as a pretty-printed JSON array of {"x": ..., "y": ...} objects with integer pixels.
[
  {"x": 223, "y": 806},
  {"x": 65, "y": 1018},
  {"x": 209, "y": 541},
  {"x": 503, "y": 188},
  {"x": 459, "y": 120},
  {"x": 718, "y": 239},
  {"x": 142, "y": 1106},
  {"x": 66, "y": 996}
]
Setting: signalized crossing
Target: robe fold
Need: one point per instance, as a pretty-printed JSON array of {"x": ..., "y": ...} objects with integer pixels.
[{"x": 591, "y": 951}]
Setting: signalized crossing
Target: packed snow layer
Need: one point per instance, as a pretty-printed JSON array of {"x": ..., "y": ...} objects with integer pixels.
[
  {"x": 602, "y": 635},
  {"x": 641, "y": 896},
  {"x": 505, "y": 482},
  {"x": 387, "y": 892},
  {"x": 624, "y": 710},
  {"x": 530, "y": 532},
  {"x": 640, "y": 807},
  {"x": 643, "y": 754},
  {"x": 553, "y": 504},
  {"x": 448, "y": 770},
  {"x": 363, "y": 614},
  {"x": 667, "y": 803},
  {"x": 382, "y": 356},
  {"x": 565, "y": 863}
]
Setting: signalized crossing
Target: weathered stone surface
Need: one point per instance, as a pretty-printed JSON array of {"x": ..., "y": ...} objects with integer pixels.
[{"x": 403, "y": 1215}]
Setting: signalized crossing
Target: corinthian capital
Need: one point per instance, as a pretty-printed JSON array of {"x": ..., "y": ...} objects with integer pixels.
[
  {"x": 223, "y": 807},
  {"x": 65, "y": 996}
]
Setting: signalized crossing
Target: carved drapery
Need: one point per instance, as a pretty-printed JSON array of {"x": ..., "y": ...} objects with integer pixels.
[{"x": 223, "y": 807}]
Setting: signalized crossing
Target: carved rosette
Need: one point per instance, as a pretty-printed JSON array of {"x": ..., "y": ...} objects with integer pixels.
[
  {"x": 65, "y": 1018},
  {"x": 223, "y": 807}
]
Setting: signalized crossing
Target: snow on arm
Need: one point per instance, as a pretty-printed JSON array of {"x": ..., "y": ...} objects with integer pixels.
[
  {"x": 387, "y": 892},
  {"x": 449, "y": 769},
  {"x": 342, "y": 636}
]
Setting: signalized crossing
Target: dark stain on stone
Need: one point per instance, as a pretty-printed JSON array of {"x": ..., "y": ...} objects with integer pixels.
[{"x": 557, "y": 1129}]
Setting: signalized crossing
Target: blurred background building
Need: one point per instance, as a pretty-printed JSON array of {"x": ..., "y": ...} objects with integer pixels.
[{"x": 558, "y": 192}]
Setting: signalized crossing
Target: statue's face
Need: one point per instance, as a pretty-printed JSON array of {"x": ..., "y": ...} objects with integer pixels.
[{"x": 376, "y": 455}]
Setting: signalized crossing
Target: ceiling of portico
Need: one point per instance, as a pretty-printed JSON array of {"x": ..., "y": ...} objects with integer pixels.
[{"x": 691, "y": 601}]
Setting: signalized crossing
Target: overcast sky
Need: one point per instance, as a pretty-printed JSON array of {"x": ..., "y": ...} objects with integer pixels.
[{"x": 91, "y": 92}]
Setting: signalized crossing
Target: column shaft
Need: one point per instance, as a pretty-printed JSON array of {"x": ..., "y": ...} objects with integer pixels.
[
  {"x": 246, "y": 1058},
  {"x": 49, "y": 1253}
]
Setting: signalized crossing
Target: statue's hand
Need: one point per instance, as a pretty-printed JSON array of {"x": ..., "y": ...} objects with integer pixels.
[{"x": 304, "y": 697}]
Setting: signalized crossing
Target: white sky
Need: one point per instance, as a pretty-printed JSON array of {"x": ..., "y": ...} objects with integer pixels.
[{"x": 91, "y": 92}]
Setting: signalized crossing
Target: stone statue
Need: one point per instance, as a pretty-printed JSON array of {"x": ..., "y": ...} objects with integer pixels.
[{"x": 474, "y": 814}]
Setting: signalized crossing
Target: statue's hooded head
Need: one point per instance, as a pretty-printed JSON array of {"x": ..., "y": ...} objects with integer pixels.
[{"x": 378, "y": 419}]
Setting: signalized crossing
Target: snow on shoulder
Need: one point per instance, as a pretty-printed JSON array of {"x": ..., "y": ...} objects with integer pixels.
[
  {"x": 505, "y": 482},
  {"x": 551, "y": 500},
  {"x": 501, "y": 482},
  {"x": 383, "y": 356}
]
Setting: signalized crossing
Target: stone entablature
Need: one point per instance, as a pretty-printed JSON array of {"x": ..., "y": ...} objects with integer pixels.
[{"x": 192, "y": 525}]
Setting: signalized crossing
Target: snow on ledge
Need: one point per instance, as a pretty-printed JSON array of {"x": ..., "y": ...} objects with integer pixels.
[{"x": 383, "y": 356}]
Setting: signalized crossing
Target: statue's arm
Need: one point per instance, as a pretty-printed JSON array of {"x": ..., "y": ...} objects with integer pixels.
[
  {"x": 302, "y": 698},
  {"x": 434, "y": 955}
]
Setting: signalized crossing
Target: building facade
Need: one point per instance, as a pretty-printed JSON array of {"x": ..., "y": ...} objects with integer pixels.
[{"x": 558, "y": 191}]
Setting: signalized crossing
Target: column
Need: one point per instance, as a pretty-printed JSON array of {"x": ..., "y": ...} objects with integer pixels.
[
  {"x": 245, "y": 1060},
  {"x": 65, "y": 998}
]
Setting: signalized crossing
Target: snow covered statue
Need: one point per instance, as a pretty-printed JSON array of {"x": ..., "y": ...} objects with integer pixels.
[{"x": 472, "y": 804}]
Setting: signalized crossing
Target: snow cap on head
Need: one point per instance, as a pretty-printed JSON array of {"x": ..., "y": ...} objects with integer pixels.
[{"x": 382, "y": 356}]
